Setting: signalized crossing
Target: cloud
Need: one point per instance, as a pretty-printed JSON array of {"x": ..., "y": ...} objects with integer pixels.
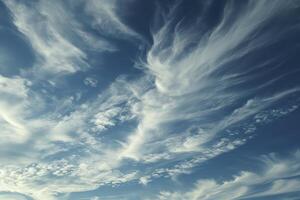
[
  {"x": 192, "y": 71},
  {"x": 13, "y": 91},
  {"x": 279, "y": 176},
  {"x": 45, "y": 174},
  {"x": 89, "y": 81},
  {"x": 195, "y": 100},
  {"x": 58, "y": 38},
  {"x": 144, "y": 180},
  {"x": 12, "y": 196},
  {"x": 60, "y": 176},
  {"x": 15, "y": 86},
  {"x": 106, "y": 119},
  {"x": 95, "y": 198},
  {"x": 56, "y": 54},
  {"x": 107, "y": 19}
]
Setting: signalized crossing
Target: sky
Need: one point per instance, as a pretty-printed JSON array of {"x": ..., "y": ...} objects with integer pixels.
[{"x": 149, "y": 100}]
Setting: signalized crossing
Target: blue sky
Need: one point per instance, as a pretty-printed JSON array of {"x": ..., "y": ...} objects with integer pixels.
[{"x": 151, "y": 100}]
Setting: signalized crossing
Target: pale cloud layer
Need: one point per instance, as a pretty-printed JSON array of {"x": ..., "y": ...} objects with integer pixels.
[
  {"x": 279, "y": 176},
  {"x": 55, "y": 52},
  {"x": 195, "y": 98},
  {"x": 51, "y": 29}
]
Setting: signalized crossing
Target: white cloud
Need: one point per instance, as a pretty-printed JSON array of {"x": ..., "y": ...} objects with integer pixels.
[
  {"x": 8, "y": 196},
  {"x": 144, "y": 180},
  {"x": 191, "y": 84},
  {"x": 60, "y": 176},
  {"x": 95, "y": 198},
  {"x": 89, "y": 81},
  {"x": 15, "y": 86},
  {"x": 182, "y": 85},
  {"x": 13, "y": 92},
  {"x": 105, "y": 119},
  {"x": 279, "y": 174},
  {"x": 56, "y": 54},
  {"x": 58, "y": 39},
  {"x": 44, "y": 179},
  {"x": 106, "y": 18}
]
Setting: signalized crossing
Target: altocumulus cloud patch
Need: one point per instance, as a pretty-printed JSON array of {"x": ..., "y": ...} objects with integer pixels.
[{"x": 180, "y": 100}]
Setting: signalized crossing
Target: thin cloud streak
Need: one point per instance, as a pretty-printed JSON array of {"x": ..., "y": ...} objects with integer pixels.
[
  {"x": 186, "y": 75},
  {"x": 280, "y": 175}
]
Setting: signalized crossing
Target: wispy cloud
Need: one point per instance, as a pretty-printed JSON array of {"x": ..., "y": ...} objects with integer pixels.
[
  {"x": 13, "y": 91},
  {"x": 59, "y": 40},
  {"x": 279, "y": 176},
  {"x": 107, "y": 19},
  {"x": 189, "y": 71},
  {"x": 64, "y": 176},
  {"x": 196, "y": 98},
  {"x": 56, "y": 54},
  {"x": 89, "y": 81}
]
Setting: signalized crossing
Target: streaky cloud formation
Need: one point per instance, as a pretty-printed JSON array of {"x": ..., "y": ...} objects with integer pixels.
[
  {"x": 187, "y": 78},
  {"x": 150, "y": 100},
  {"x": 56, "y": 52},
  {"x": 278, "y": 177},
  {"x": 106, "y": 18}
]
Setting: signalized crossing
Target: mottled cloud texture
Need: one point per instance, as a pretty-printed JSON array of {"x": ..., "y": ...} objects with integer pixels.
[{"x": 108, "y": 103}]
